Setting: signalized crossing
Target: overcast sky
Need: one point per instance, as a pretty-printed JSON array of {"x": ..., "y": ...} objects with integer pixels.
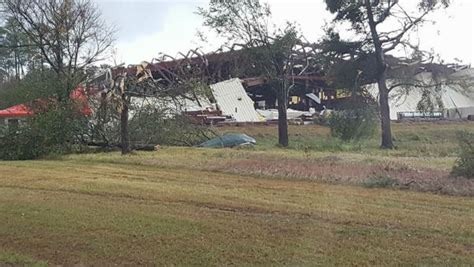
[{"x": 147, "y": 27}]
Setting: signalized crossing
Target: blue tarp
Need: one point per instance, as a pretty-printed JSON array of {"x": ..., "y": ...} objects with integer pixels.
[{"x": 229, "y": 140}]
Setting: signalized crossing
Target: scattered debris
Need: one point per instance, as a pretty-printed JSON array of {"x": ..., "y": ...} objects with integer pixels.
[
  {"x": 313, "y": 97},
  {"x": 272, "y": 114},
  {"x": 208, "y": 117}
]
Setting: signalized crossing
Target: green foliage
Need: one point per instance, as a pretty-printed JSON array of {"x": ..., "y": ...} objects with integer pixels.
[
  {"x": 464, "y": 165},
  {"x": 16, "y": 52},
  {"x": 245, "y": 24},
  {"x": 150, "y": 125},
  {"x": 231, "y": 19},
  {"x": 20, "y": 143},
  {"x": 353, "y": 124},
  {"x": 431, "y": 100},
  {"x": 104, "y": 123},
  {"x": 35, "y": 85},
  {"x": 57, "y": 127},
  {"x": 59, "y": 130},
  {"x": 348, "y": 11}
]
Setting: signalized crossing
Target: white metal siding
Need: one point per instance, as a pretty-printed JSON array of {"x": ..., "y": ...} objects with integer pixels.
[{"x": 233, "y": 101}]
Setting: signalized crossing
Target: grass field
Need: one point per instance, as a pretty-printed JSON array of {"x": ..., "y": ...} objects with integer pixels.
[{"x": 320, "y": 202}]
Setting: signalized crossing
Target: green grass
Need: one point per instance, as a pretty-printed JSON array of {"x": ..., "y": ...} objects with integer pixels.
[
  {"x": 19, "y": 260},
  {"x": 411, "y": 139},
  {"x": 245, "y": 207}
]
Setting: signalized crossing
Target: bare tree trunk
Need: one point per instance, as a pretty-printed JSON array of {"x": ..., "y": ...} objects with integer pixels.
[
  {"x": 385, "y": 114},
  {"x": 125, "y": 138},
  {"x": 282, "y": 120},
  {"x": 381, "y": 81}
]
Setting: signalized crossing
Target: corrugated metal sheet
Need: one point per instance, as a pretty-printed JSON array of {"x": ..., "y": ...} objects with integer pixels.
[{"x": 233, "y": 101}]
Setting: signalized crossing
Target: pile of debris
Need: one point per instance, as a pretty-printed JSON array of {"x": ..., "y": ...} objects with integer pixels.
[{"x": 233, "y": 105}]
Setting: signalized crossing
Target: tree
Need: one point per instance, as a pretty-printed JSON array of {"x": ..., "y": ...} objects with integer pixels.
[
  {"x": 153, "y": 102},
  {"x": 381, "y": 27},
  {"x": 35, "y": 85},
  {"x": 69, "y": 34},
  {"x": 185, "y": 78},
  {"x": 276, "y": 54},
  {"x": 16, "y": 52}
]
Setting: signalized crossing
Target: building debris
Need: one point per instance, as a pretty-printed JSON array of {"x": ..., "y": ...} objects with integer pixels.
[
  {"x": 314, "y": 98},
  {"x": 272, "y": 114},
  {"x": 233, "y": 101}
]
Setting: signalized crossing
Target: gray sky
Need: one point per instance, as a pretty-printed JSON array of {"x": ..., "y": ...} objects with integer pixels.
[{"x": 147, "y": 27}]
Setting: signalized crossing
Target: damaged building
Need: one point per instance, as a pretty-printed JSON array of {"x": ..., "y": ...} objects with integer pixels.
[{"x": 239, "y": 92}]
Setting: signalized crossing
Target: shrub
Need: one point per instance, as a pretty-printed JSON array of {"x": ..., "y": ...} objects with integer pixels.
[
  {"x": 464, "y": 165},
  {"x": 150, "y": 125},
  {"x": 19, "y": 143},
  {"x": 353, "y": 124},
  {"x": 57, "y": 131}
]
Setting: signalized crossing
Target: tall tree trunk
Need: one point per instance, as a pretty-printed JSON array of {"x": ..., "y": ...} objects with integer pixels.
[
  {"x": 125, "y": 138},
  {"x": 385, "y": 114},
  {"x": 381, "y": 80},
  {"x": 282, "y": 119}
]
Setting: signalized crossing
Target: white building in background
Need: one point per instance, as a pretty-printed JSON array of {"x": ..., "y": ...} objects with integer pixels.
[{"x": 458, "y": 101}]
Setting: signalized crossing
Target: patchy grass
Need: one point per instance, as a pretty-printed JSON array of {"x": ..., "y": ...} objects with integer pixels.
[
  {"x": 380, "y": 182},
  {"x": 425, "y": 139},
  {"x": 105, "y": 209},
  {"x": 306, "y": 205},
  {"x": 420, "y": 174},
  {"x": 13, "y": 259}
]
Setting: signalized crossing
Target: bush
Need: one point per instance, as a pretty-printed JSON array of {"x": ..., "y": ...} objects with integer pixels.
[
  {"x": 464, "y": 165},
  {"x": 151, "y": 122},
  {"x": 19, "y": 143},
  {"x": 353, "y": 124},
  {"x": 57, "y": 131},
  {"x": 152, "y": 126}
]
